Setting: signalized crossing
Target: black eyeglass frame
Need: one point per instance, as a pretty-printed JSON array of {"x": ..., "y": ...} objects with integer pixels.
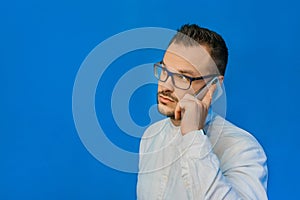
[{"x": 159, "y": 65}]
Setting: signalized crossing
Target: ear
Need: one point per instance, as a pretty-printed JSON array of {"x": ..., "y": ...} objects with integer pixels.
[{"x": 221, "y": 79}]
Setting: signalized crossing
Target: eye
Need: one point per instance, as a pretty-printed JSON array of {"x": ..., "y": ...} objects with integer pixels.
[{"x": 182, "y": 78}]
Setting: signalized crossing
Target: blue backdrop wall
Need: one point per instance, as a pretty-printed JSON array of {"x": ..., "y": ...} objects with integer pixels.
[{"x": 43, "y": 44}]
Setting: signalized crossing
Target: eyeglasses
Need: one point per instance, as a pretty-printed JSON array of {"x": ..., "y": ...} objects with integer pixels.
[{"x": 179, "y": 80}]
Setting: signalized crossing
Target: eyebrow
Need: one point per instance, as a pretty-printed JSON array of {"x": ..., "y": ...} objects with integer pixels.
[{"x": 182, "y": 71}]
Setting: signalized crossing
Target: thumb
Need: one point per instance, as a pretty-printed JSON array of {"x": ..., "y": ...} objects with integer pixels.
[{"x": 177, "y": 112}]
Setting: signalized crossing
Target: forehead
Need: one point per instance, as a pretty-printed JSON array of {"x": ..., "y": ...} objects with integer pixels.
[{"x": 191, "y": 58}]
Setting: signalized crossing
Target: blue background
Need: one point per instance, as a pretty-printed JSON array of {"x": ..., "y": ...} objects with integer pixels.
[{"x": 43, "y": 44}]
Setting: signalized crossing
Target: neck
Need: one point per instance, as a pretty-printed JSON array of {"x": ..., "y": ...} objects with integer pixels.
[{"x": 175, "y": 122}]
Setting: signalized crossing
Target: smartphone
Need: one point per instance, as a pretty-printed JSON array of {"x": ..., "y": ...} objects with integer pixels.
[{"x": 217, "y": 93}]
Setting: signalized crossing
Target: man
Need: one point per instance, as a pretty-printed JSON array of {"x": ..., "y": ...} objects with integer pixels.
[{"x": 195, "y": 153}]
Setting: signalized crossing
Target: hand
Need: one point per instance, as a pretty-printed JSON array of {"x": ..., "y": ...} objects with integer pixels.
[{"x": 193, "y": 112}]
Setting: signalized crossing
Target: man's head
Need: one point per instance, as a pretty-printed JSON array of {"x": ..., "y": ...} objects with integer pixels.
[{"x": 193, "y": 52}]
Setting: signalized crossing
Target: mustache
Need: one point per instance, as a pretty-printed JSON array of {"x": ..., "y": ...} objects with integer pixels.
[{"x": 167, "y": 94}]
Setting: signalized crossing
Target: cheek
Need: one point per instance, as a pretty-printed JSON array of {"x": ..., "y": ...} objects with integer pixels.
[
  {"x": 180, "y": 93},
  {"x": 196, "y": 87}
]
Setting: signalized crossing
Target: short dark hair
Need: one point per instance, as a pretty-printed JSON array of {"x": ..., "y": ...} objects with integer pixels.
[{"x": 188, "y": 34}]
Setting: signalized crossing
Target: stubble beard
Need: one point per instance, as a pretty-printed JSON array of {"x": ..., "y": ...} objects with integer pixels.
[{"x": 165, "y": 112}]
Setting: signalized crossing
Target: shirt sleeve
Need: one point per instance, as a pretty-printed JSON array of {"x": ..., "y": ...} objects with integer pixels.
[{"x": 240, "y": 173}]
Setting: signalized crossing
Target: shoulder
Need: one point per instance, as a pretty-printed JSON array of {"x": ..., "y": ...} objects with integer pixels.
[
  {"x": 227, "y": 129},
  {"x": 240, "y": 135},
  {"x": 232, "y": 140}
]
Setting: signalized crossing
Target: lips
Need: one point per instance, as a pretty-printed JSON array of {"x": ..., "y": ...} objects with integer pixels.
[{"x": 165, "y": 99}]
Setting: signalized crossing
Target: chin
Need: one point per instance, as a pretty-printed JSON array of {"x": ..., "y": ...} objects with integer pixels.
[{"x": 165, "y": 110}]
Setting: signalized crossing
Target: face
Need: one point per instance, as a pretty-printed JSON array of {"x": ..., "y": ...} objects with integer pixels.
[{"x": 193, "y": 61}]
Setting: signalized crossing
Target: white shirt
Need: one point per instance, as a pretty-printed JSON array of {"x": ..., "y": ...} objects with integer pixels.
[{"x": 227, "y": 163}]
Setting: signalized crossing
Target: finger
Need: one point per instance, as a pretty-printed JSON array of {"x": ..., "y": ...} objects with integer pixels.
[
  {"x": 177, "y": 112},
  {"x": 208, "y": 96},
  {"x": 181, "y": 106}
]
